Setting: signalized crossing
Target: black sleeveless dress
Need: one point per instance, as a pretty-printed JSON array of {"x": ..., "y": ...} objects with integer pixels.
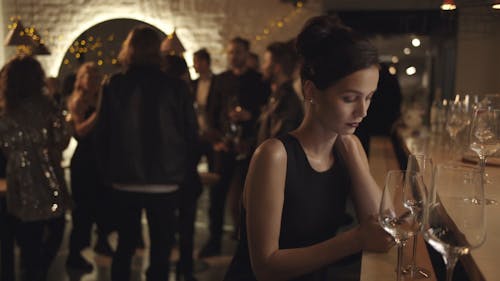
[
  {"x": 84, "y": 172},
  {"x": 313, "y": 210}
]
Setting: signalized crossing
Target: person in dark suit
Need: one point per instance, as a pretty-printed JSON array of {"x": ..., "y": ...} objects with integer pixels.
[
  {"x": 203, "y": 93},
  {"x": 233, "y": 111}
]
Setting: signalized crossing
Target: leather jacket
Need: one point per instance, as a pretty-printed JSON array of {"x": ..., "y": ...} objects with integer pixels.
[{"x": 146, "y": 130}]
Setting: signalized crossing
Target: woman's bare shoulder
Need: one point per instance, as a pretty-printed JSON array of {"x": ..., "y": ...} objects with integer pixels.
[{"x": 271, "y": 150}]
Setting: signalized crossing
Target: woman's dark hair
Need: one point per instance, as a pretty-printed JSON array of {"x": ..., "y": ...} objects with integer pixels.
[
  {"x": 283, "y": 54},
  {"x": 241, "y": 41},
  {"x": 330, "y": 51},
  {"x": 20, "y": 79},
  {"x": 142, "y": 47},
  {"x": 175, "y": 66}
]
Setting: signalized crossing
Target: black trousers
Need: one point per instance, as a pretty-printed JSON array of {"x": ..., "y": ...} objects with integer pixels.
[
  {"x": 6, "y": 243},
  {"x": 224, "y": 165},
  {"x": 160, "y": 212},
  {"x": 92, "y": 205},
  {"x": 189, "y": 194},
  {"x": 39, "y": 242}
]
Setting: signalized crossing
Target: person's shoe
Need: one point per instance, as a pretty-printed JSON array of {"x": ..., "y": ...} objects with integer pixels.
[
  {"x": 79, "y": 263},
  {"x": 102, "y": 247},
  {"x": 210, "y": 249}
]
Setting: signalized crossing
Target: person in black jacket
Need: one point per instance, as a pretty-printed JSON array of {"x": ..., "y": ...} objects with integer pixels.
[
  {"x": 146, "y": 137},
  {"x": 233, "y": 110}
]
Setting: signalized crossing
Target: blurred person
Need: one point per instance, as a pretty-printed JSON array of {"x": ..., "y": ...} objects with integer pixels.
[
  {"x": 90, "y": 196},
  {"x": 238, "y": 95},
  {"x": 146, "y": 135},
  {"x": 253, "y": 61},
  {"x": 33, "y": 134},
  {"x": 6, "y": 229},
  {"x": 380, "y": 121},
  {"x": 203, "y": 90},
  {"x": 297, "y": 185},
  {"x": 175, "y": 66},
  {"x": 284, "y": 110},
  {"x": 54, "y": 92}
]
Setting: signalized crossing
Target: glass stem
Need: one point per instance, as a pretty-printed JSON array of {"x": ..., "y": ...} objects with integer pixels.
[
  {"x": 451, "y": 261},
  {"x": 400, "y": 261},
  {"x": 482, "y": 165},
  {"x": 413, "y": 256}
]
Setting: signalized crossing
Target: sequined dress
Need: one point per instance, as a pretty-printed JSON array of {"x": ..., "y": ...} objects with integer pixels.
[{"x": 32, "y": 139}]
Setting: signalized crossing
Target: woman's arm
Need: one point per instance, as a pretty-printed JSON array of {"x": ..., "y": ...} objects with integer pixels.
[
  {"x": 263, "y": 199},
  {"x": 366, "y": 193},
  {"x": 81, "y": 125}
]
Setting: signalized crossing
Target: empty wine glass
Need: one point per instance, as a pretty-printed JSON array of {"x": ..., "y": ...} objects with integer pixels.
[
  {"x": 422, "y": 164},
  {"x": 454, "y": 224},
  {"x": 457, "y": 119},
  {"x": 401, "y": 208},
  {"x": 484, "y": 137},
  {"x": 492, "y": 100}
]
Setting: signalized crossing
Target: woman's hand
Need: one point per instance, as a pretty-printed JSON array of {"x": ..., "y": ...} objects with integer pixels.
[{"x": 372, "y": 237}]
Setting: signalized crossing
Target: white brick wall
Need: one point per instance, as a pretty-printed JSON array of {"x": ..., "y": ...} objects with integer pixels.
[
  {"x": 2, "y": 35},
  {"x": 199, "y": 23}
]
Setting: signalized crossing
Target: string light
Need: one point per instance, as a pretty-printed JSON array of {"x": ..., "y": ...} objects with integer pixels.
[{"x": 279, "y": 23}]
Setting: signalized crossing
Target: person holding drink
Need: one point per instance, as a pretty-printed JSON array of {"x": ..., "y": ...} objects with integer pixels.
[
  {"x": 233, "y": 110},
  {"x": 297, "y": 184}
]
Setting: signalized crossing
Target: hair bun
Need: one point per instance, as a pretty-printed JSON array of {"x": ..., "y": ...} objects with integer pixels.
[{"x": 317, "y": 35}]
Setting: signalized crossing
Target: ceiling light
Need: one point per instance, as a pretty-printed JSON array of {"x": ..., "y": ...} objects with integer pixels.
[
  {"x": 496, "y": 5},
  {"x": 172, "y": 45},
  {"x": 394, "y": 59},
  {"x": 40, "y": 50},
  {"x": 448, "y": 5},
  {"x": 406, "y": 51},
  {"x": 411, "y": 70},
  {"x": 17, "y": 36},
  {"x": 415, "y": 42},
  {"x": 392, "y": 70}
]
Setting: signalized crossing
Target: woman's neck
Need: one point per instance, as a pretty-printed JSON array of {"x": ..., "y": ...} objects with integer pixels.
[{"x": 316, "y": 142}]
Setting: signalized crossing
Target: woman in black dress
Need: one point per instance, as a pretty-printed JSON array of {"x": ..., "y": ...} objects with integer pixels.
[
  {"x": 88, "y": 193},
  {"x": 33, "y": 134},
  {"x": 297, "y": 184}
]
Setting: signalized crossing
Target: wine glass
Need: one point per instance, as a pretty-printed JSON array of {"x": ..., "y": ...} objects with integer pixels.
[
  {"x": 492, "y": 100},
  {"x": 484, "y": 137},
  {"x": 454, "y": 224},
  {"x": 456, "y": 119},
  {"x": 401, "y": 208},
  {"x": 232, "y": 127},
  {"x": 419, "y": 163}
]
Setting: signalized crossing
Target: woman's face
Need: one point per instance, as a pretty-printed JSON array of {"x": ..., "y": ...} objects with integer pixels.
[
  {"x": 91, "y": 80},
  {"x": 342, "y": 106}
]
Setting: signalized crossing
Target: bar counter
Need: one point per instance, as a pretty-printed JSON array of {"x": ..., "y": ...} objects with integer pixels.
[{"x": 483, "y": 264}]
